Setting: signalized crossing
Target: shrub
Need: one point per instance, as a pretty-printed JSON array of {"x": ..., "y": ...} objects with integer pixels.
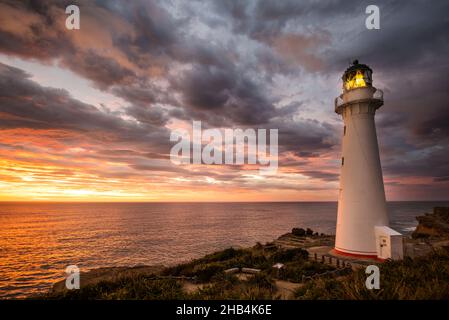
[
  {"x": 136, "y": 287},
  {"x": 295, "y": 271},
  {"x": 300, "y": 232},
  {"x": 223, "y": 255},
  {"x": 289, "y": 255},
  {"x": 425, "y": 277},
  {"x": 189, "y": 269},
  {"x": 261, "y": 280},
  {"x": 257, "y": 287},
  {"x": 204, "y": 272}
]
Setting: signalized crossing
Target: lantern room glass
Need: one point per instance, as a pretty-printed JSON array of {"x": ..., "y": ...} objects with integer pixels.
[{"x": 357, "y": 78}]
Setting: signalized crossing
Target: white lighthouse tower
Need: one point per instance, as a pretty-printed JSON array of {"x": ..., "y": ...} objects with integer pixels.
[{"x": 362, "y": 222}]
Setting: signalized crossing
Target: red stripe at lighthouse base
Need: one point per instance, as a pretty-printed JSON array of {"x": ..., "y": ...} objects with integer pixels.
[{"x": 356, "y": 255}]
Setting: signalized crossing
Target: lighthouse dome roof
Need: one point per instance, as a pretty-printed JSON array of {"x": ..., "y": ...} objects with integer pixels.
[{"x": 357, "y": 66}]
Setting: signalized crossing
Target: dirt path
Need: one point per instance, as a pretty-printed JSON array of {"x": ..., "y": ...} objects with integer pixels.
[
  {"x": 285, "y": 289},
  {"x": 190, "y": 287}
]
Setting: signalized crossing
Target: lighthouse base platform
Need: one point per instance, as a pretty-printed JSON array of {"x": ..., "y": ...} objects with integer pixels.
[
  {"x": 327, "y": 255},
  {"x": 386, "y": 244},
  {"x": 340, "y": 253}
]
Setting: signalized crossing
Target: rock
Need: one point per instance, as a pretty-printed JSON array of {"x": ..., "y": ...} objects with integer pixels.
[
  {"x": 300, "y": 232},
  {"x": 434, "y": 225}
]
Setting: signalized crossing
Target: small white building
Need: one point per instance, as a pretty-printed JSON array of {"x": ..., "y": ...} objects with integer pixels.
[{"x": 389, "y": 243}]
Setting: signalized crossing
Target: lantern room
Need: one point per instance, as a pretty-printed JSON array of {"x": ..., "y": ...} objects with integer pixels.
[{"x": 357, "y": 76}]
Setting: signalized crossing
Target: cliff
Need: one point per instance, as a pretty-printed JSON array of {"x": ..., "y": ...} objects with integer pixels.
[{"x": 433, "y": 225}]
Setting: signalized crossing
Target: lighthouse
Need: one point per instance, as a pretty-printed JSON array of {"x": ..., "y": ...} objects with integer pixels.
[{"x": 362, "y": 220}]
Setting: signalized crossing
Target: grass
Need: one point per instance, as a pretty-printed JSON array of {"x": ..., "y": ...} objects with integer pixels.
[
  {"x": 204, "y": 269},
  {"x": 135, "y": 288},
  {"x": 411, "y": 279},
  {"x": 421, "y": 278},
  {"x": 295, "y": 271},
  {"x": 209, "y": 272},
  {"x": 258, "y": 287}
]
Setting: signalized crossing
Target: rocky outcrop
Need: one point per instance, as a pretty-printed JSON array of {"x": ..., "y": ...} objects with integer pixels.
[{"x": 433, "y": 225}]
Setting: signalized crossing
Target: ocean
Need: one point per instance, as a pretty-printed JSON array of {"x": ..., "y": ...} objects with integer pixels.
[{"x": 39, "y": 240}]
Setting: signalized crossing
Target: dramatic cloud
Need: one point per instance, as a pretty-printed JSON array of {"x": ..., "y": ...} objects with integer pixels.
[
  {"x": 25, "y": 104},
  {"x": 248, "y": 64}
]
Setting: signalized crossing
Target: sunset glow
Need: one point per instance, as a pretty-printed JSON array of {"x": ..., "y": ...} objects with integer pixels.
[{"x": 86, "y": 115}]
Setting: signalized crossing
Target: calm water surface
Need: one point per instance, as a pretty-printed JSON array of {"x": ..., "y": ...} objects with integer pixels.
[{"x": 38, "y": 240}]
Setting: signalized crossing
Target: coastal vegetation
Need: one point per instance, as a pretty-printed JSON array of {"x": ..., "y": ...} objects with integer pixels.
[
  {"x": 209, "y": 277},
  {"x": 279, "y": 271},
  {"x": 424, "y": 277}
]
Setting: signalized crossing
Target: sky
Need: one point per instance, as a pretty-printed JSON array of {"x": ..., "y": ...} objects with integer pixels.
[{"x": 86, "y": 115}]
